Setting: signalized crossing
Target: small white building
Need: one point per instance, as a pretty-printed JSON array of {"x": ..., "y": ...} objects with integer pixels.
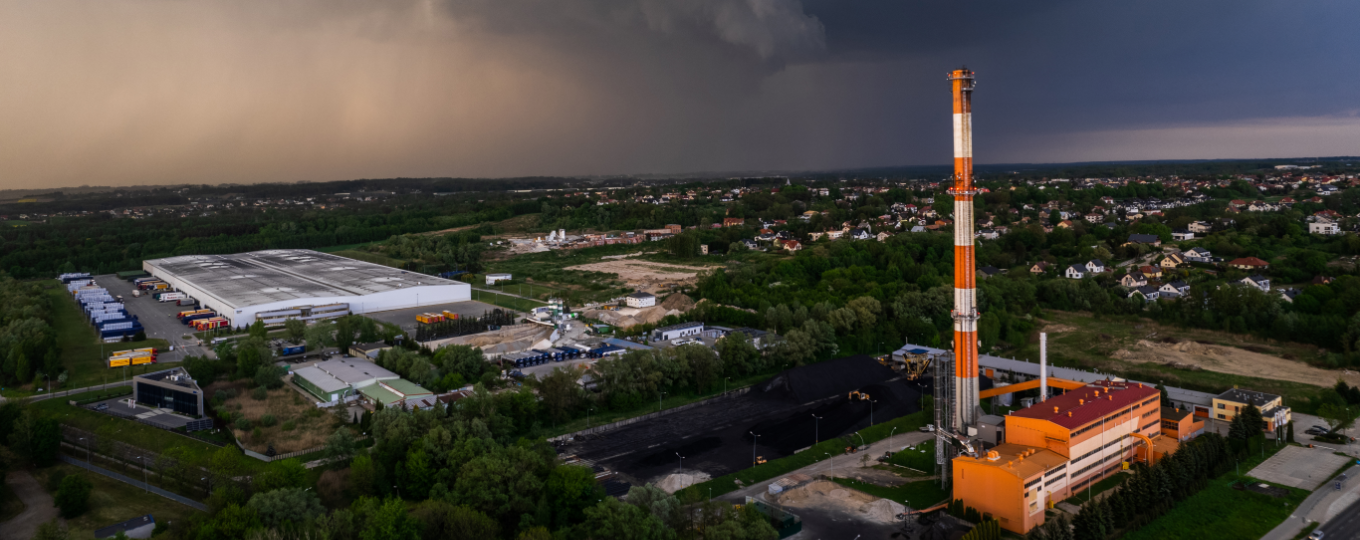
[
  {"x": 1076, "y": 272},
  {"x": 1324, "y": 227},
  {"x": 675, "y": 331},
  {"x": 491, "y": 279},
  {"x": 640, "y": 300}
]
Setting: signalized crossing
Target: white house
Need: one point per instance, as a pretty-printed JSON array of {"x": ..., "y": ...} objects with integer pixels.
[
  {"x": 1133, "y": 280},
  {"x": 1323, "y": 226},
  {"x": 1199, "y": 255},
  {"x": 1201, "y": 227},
  {"x": 1182, "y": 235},
  {"x": 1257, "y": 281},
  {"x": 1177, "y": 287},
  {"x": 491, "y": 279},
  {"x": 1095, "y": 266},
  {"x": 640, "y": 300},
  {"x": 1076, "y": 272},
  {"x": 1148, "y": 292}
]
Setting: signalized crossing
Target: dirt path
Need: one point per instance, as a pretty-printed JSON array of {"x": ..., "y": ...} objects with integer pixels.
[
  {"x": 38, "y": 507},
  {"x": 1232, "y": 360}
]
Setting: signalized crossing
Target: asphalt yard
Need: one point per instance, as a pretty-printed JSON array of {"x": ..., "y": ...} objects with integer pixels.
[
  {"x": 158, "y": 318},
  {"x": 406, "y": 318},
  {"x": 122, "y": 408},
  {"x": 1300, "y": 467}
]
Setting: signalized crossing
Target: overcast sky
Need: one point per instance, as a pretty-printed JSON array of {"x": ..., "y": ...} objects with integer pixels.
[{"x": 116, "y": 92}]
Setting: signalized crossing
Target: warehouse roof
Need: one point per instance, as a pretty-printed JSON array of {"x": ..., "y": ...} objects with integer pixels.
[
  {"x": 352, "y": 370},
  {"x": 377, "y": 393},
  {"x": 1019, "y": 460},
  {"x": 320, "y": 379},
  {"x": 263, "y": 277},
  {"x": 406, "y": 388}
]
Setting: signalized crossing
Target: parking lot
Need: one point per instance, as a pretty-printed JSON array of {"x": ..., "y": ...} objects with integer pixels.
[
  {"x": 406, "y": 318},
  {"x": 1300, "y": 467},
  {"x": 158, "y": 318}
]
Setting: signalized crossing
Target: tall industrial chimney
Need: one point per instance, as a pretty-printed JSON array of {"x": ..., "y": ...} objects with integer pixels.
[
  {"x": 1043, "y": 366},
  {"x": 965, "y": 292}
]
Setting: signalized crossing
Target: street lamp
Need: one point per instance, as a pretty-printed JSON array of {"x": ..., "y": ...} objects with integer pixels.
[
  {"x": 890, "y": 434},
  {"x": 754, "y": 439},
  {"x": 591, "y": 410},
  {"x": 682, "y": 462},
  {"x": 817, "y": 429},
  {"x": 725, "y": 379},
  {"x": 871, "y": 411},
  {"x": 87, "y": 452},
  {"x": 145, "y": 483},
  {"x": 658, "y": 401},
  {"x": 861, "y": 438}
]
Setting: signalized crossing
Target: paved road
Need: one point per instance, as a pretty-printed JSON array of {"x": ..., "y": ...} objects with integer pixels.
[
  {"x": 1323, "y": 505},
  {"x": 38, "y": 507},
  {"x": 1344, "y": 525},
  {"x": 73, "y": 391}
]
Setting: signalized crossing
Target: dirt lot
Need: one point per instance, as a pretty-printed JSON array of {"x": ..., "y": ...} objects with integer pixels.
[
  {"x": 830, "y": 495},
  {"x": 645, "y": 275},
  {"x": 298, "y": 424},
  {"x": 1224, "y": 359}
]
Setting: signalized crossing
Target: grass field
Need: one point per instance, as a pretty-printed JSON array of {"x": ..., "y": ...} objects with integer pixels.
[
  {"x": 1089, "y": 343},
  {"x": 519, "y": 288},
  {"x": 81, "y": 352},
  {"x": 505, "y": 301},
  {"x": 133, "y": 433},
  {"x": 1099, "y": 487},
  {"x": 814, "y": 454},
  {"x": 112, "y": 501},
  {"x": 921, "y": 494}
]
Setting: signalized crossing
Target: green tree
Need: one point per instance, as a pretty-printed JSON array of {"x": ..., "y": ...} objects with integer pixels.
[
  {"x": 258, "y": 331},
  {"x": 270, "y": 376},
  {"x": 441, "y": 520},
  {"x": 296, "y": 330},
  {"x": 52, "y": 530},
  {"x": 73, "y": 497},
  {"x": 1339, "y": 417},
  {"x": 341, "y": 444},
  {"x": 570, "y": 490},
  {"x": 295, "y": 505},
  {"x": 389, "y": 521},
  {"x": 36, "y": 439},
  {"x": 738, "y": 354},
  {"x": 289, "y": 473},
  {"x": 560, "y": 393},
  {"x": 611, "y": 520},
  {"x": 503, "y": 484},
  {"x": 362, "y": 475}
]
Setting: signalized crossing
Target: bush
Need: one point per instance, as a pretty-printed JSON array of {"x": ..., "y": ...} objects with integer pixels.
[
  {"x": 259, "y": 393},
  {"x": 73, "y": 497},
  {"x": 268, "y": 420},
  {"x": 223, "y": 395},
  {"x": 289, "y": 425},
  {"x": 243, "y": 423},
  {"x": 270, "y": 376},
  {"x": 256, "y": 435}
]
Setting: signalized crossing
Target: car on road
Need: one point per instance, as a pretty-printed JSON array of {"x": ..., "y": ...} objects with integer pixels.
[
  {"x": 1317, "y": 535},
  {"x": 102, "y": 407}
]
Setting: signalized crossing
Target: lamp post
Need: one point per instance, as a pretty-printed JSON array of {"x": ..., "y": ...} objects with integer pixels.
[
  {"x": 890, "y": 434},
  {"x": 871, "y": 411},
  {"x": 682, "y": 462},
  {"x": 817, "y": 429},
  {"x": 145, "y": 483},
  {"x": 591, "y": 410},
  {"x": 725, "y": 379},
  {"x": 861, "y": 438},
  {"x": 87, "y": 451},
  {"x": 754, "y": 439},
  {"x": 658, "y": 401}
]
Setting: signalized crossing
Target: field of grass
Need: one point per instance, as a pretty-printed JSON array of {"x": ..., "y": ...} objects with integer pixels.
[
  {"x": 520, "y": 288},
  {"x": 129, "y": 432},
  {"x": 814, "y": 454},
  {"x": 505, "y": 301},
  {"x": 921, "y": 458},
  {"x": 1100, "y": 487},
  {"x": 1088, "y": 342},
  {"x": 112, "y": 501},
  {"x": 921, "y": 494},
  {"x": 81, "y": 352},
  {"x": 549, "y": 269},
  {"x": 296, "y": 423}
]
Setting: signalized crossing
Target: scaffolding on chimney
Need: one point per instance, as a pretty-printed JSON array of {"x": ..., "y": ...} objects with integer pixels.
[{"x": 945, "y": 395}]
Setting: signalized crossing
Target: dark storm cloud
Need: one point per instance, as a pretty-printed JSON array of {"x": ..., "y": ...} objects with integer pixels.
[{"x": 134, "y": 91}]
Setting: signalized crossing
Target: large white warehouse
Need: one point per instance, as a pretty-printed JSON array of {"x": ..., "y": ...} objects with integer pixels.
[{"x": 279, "y": 284}]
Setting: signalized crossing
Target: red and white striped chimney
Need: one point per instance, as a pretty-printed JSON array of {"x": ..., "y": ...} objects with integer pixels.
[{"x": 965, "y": 291}]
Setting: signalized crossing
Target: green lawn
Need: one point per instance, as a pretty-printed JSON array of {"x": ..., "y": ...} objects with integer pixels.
[
  {"x": 112, "y": 501},
  {"x": 127, "y": 431},
  {"x": 505, "y": 301},
  {"x": 817, "y": 453},
  {"x": 920, "y": 458},
  {"x": 81, "y": 352},
  {"x": 1100, "y": 487},
  {"x": 1221, "y": 512},
  {"x": 921, "y": 494}
]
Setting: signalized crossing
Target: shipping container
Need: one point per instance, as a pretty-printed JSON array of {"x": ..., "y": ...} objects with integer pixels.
[
  {"x": 449, "y": 315},
  {"x": 170, "y": 296},
  {"x": 429, "y": 318},
  {"x": 188, "y": 302},
  {"x": 119, "y": 362},
  {"x": 210, "y": 323},
  {"x": 291, "y": 349}
]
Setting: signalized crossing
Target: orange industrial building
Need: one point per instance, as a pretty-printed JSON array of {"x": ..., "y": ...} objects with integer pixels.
[{"x": 1058, "y": 447}]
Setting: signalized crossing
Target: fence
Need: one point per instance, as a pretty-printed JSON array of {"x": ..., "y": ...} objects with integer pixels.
[
  {"x": 148, "y": 487},
  {"x": 615, "y": 425},
  {"x": 265, "y": 458}
]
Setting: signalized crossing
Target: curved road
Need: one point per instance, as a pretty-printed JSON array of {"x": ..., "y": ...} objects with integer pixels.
[{"x": 38, "y": 507}]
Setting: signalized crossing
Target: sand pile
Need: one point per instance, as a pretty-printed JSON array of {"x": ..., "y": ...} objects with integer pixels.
[
  {"x": 1193, "y": 356},
  {"x": 630, "y": 318},
  {"x": 883, "y": 511},
  {"x": 676, "y": 482},
  {"x": 678, "y": 302}
]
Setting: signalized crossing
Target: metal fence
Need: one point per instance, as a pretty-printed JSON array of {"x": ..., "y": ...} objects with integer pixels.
[{"x": 143, "y": 485}]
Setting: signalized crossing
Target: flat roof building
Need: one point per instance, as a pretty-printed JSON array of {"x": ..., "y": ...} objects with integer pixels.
[
  {"x": 169, "y": 389},
  {"x": 279, "y": 284}
]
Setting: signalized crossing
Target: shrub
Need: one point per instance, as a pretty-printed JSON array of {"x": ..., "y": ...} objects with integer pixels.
[
  {"x": 243, "y": 423},
  {"x": 73, "y": 497},
  {"x": 256, "y": 435},
  {"x": 268, "y": 420},
  {"x": 289, "y": 425},
  {"x": 259, "y": 393}
]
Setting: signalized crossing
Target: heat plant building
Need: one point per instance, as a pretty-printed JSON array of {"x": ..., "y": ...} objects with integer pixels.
[{"x": 280, "y": 284}]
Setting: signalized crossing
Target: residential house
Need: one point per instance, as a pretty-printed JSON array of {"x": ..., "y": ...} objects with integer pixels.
[
  {"x": 1039, "y": 267},
  {"x": 835, "y": 234},
  {"x": 1200, "y": 227},
  {"x": 1149, "y": 239},
  {"x": 1172, "y": 261},
  {"x": 1148, "y": 292},
  {"x": 859, "y": 234},
  {"x": 988, "y": 271},
  {"x": 1248, "y": 263},
  {"x": 1076, "y": 272},
  {"x": 1198, "y": 254},
  {"x": 1258, "y": 281},
  {"x": 1152, "y": 272},
  {"x": 815, "y": 236},
  {"x": 1179, "y": 288},
  {"x": 1095, "y": 266},
  {"x": 1181, "y": 235},
  {"x": 1288, "y": 295},
  {"x": 1324, "y": 226},
  {"x": 1133, "y": 280},
  {"x": 792, "y": 246},
  {"x": 1228, "y": 405},
  {"x": 882, "y": 236},
  {"x": 734, "y": 222}
]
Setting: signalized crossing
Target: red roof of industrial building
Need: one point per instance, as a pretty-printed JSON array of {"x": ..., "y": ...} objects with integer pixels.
[{"x": 1110, "y": 401}]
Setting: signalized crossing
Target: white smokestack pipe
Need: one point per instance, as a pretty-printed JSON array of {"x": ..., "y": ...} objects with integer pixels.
[{"x": 1043, "y": 366}]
